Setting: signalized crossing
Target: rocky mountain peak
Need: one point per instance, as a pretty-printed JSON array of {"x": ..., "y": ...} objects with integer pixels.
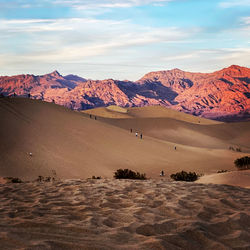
[
  {"x": 224, "y": 93},
  {"x": 55, "y": 73}
]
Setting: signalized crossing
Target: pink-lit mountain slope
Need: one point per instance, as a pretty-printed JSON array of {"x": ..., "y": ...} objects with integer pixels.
[{"x": 222, "y": 95}]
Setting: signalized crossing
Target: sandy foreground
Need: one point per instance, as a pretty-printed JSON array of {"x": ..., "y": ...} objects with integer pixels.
[{"x": 123, "y": 214}]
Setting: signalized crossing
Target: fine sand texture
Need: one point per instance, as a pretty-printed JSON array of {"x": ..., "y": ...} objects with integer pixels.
[
  {"x": 122, "y": 214},
  {"x": 39, "y": 138}
]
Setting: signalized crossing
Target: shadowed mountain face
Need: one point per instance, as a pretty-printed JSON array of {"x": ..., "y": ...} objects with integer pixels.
[{"x": 222, "y": 95}]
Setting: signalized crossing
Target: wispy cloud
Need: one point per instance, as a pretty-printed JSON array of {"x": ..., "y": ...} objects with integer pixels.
[
  {"x": 75, "y": 39},
  {"x": 79, "y": 35},
  {"x": 246, "y": 20},
  {"x": 234, "y": 3},
  {"x": 93, "y": 4},
  {"x": 80, "y": 4}
]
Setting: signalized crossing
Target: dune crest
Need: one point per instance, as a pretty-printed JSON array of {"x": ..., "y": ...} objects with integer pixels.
[{"x": 234, "y": 178}]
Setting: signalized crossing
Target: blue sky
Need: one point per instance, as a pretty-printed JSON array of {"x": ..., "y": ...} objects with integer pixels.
[{"x": 122, "y": 39}]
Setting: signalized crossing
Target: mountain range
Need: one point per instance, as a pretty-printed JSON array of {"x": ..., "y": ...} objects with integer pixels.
[{"x": 221, "y": 95}]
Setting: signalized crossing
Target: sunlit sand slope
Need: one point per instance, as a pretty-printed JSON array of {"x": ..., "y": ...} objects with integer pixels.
[
  {"x": 147, "y": 112},
  {"x": 234, "y": 178},
  {"x": 211, "y": 136},
  {"x": 75, "y": 146}
]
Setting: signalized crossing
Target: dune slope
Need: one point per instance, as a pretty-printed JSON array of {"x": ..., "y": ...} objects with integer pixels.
[
  {"x": 177, "y": 127},
  {"x": 234, "y": 178},
  {"x": 76, "y": 146},
  {"x": 147, "y": 112}
]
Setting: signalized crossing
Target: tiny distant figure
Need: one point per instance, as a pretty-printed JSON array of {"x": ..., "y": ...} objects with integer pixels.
[
  {"x": 136, "y": 134},
  {"x": 162, "y": 173},
  {"x": 95, "y": 117},
  {"x": 90, "y": 116},
  {"x": 131, "y": 130},
  {"x": 29, "y": 95},
  {"x": 30, "y": 154},
  {"x": 141, "y": 136},
  {"x": 14, "y": 95},
  {"x": 174, "y": 148}
]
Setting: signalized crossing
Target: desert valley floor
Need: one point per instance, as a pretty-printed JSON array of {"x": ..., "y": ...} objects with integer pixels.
[{"x": 77, "y": 212}]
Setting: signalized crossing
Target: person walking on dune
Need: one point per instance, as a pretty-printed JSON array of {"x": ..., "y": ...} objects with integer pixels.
[
  {"x": 162, "y": 173},
  {"x": 136, "y": 134},
  {"x": 141, "y": 136}
]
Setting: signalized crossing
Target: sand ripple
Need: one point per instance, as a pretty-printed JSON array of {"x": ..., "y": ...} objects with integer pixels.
[{"x": 122, "y": 214}]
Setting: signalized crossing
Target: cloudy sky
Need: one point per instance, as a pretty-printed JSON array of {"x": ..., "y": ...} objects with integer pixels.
[{"x": 122, "y": 39}]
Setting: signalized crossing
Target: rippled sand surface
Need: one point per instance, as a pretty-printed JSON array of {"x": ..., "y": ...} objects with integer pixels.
[{"x": 123, "y": 214}]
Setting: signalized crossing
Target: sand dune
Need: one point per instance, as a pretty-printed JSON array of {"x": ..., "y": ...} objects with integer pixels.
[
  {"x": 108, "y": 112},
  {"x": 234, "y": 178},
  {"x": 219, "y": 136},
  {"x": 177, "y": 127},
  {"x": 120, "y": 214},
  {"x": 76, "y": 146},
  {"x": 147, "y": 112}
]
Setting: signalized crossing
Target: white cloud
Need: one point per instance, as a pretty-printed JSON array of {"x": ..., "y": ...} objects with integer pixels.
[
  {"x": 79, "y": 4},
  {"x": 93, "y": 4},
  {"x": 246, "y": 20},
  {"x": 234, "y": 3},
  {"x": 75, "y": 39}
]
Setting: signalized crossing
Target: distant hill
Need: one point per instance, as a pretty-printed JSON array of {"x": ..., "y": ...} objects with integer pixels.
[{"x": 222, "y": 95}]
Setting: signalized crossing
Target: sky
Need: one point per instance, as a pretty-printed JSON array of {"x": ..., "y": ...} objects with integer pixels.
[{"x": 122, "y": 39}]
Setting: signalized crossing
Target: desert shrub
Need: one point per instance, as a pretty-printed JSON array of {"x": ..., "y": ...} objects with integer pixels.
[
  {"x": 48, "y": 178},
  {"x": 238, "y": 150},
  {"x": 242, "y": 163},
  {"x": 96, "y": 177},
  {"x": 40, "y": 178},
  {"x": 184, "y": 176},
  {"x": 129, "y": 174},
  {"x": 13, "y": 180},
  {"x": 222, "y": 171}
]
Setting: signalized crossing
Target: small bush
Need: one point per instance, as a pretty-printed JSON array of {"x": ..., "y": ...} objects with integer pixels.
[
  {"x": 129, "y": 174},
  {"x": 184, "y": 176},
  {"x": 13, "y": 180},
  {"x": 222, "y": 171},
  {"x": 96, "y": 177},
  {"x": 242, "y": 163},
  {"x": 237, "y": 149}
]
